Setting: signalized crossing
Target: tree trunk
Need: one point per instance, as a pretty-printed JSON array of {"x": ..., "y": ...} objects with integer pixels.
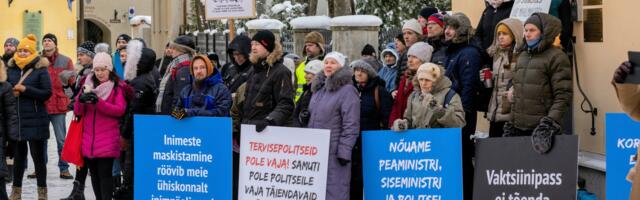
[
  {"x": 340, "y": 7},
  {"x": 312, "y": 8}
]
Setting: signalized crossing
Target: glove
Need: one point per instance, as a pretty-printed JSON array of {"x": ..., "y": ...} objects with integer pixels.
[
  {"x": 65, "y": 76},
  {"x": 622, "y": 72},
  {"x": 400, "y": 125},
  {"x": 542, "y": 137},
  {"x": 90, "y": 97},
  {"x": 262, "y": 124},
  {"x": 178, "y": 113},
  {"x": 509, "y": 130},
  {"x": 303, "y": 117},
  {"x": 343, "y": 162}
]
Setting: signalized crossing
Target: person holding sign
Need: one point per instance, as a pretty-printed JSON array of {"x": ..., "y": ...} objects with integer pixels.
[
  {"x": 101, "y": 104},
  {"x": 542, "y": 84},
  {"x": 206, "y": 96},
  {"x": 9, "y": 125},
  {"x": 335, "y": 105},
  {"x": 432, "y": 104}
]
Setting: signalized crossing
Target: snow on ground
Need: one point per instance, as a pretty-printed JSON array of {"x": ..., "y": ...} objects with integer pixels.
[{"x": 58, "y": 188}]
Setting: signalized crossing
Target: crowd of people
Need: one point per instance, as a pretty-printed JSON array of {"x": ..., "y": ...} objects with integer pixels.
[{"x": 439, "y": 73}]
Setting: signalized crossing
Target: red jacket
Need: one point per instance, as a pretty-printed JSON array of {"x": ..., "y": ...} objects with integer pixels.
[
  {"x": 58, "y": 102},
  {"x": 400, "y": 104}
]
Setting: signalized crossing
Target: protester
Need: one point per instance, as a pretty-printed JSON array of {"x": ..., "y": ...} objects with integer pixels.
[
  {"x": 121, "y": 43},
  {"x": 432, "y": 104},
  {"x": 542, "y": 84},
  {"x": 436, "y": 38},
  {"x": 313, "y": 50},
  {"x": 58, "y": 102},
  {"x": 206, "y": 96},
  {"x": 464, "y": 59},
  {"x": 389, "y": 70},
  {"x": 239, "y": 69},
  {"x": 33, "y": 120},
  {"x": 177, "y": 75},
  {"x": 301, "y": 113},
  {"x": 9, "y": 49},
  {"x": 369, "y": 55},
  {"x": 505, "y": 50},
  {"x": 162, "y": 63},
  {"x": 418, "y": 54},
  {"x": 494, "y": 12},
  {"x": 9, "y": 125},
  {"x": 425, "y": 13},
  {"x": 335, "y": 105},
  {"x": 400, "y": 45},
  {"x": 101, "y": 105}
]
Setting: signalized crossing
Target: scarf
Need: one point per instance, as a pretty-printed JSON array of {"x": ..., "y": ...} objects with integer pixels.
[
  {"x": 103, "y": 90},
  {"x": 533, "y": 43},
  {"x": 22, "y": 62},
  {"x": 165, "y": 79}
]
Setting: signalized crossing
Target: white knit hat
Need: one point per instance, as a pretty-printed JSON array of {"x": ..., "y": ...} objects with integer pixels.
[
  {"x": 314, "y": 67},
  {"x": 429, "y": 71},
  {"x": 413, "y": 25},
  {"x": 339, "y": 57},
  {"x": 422, "y": 51},
  {"x": 103, "y": 60}
]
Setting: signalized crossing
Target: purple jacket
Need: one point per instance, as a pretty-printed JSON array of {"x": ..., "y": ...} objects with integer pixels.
[
  {"x": 335, "y": 105},
  {"x": 101, "y": 125}
]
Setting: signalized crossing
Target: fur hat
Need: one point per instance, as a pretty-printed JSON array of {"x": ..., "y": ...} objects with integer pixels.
[
  {"x": 339, "y": 57},
  {"x": 103, "y": 60},
  {"x": 461, "y": 23},
  {"x": 314, "y": 37},
  {"x": 429, "y": 71},
  {"x": 413, "y": 25},
  {"x": 422, "y": 51},
  {"x": 364, "y": 66},
  {"x": 314, "y": 67},
  {"x": 183, "y": 44}
]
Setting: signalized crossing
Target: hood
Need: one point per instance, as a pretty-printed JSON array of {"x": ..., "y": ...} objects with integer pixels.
[
  {"x": 38, "y": 62},
  {"x": 212, "y": 80},
  {"x": 551, "y": 28},
  {"x": 442, "y": 83},
  {"x": 341, "y": 77},
  {"x": 242, "y": 44},
  {"x": 462, "y": 25},
  {"x": 140, "y": 60},
  {"x": 517, "y": 28},
  {"x": 394, "y": 53}
]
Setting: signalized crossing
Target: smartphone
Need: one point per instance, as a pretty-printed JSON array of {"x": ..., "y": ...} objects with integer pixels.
[{"x": 634, "y": 59}]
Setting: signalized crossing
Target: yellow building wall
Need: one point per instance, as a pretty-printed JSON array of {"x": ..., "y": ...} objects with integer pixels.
[
  {"x": 56, "y": 19},
  {"x": 596, "y": 62}
]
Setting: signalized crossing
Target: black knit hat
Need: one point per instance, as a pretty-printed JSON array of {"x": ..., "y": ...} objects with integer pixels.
[
  {"x": 266, "y": 39},
  {"x": 401, "y": 38},
  {"x": 368, "y": 50},
  {"x": 428, "y": 11},
  {"x": 124, "y": 37},
  {"x": 52, "y": 37},
  {"x": 88, "y": 48}
]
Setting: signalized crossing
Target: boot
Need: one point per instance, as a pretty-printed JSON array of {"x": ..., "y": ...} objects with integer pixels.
[
  {"x": 77, "y": 193},
  {"x": 16, "y": 193},
  {"x": 42, "y": 193}
]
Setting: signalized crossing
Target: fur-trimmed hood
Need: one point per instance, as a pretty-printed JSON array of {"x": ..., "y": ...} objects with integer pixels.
[
  {"x": 462, "y": 25},
  {"x": 38, "y": 62},
  {"x": 140, "y": 60},
  {"x": 341, "y": 77}
]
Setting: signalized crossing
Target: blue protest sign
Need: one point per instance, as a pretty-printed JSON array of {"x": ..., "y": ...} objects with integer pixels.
[
  {"x": 182, "y": 159},
  {"x": 412, "y": 165},
  {"x": 622, "y": 138}
]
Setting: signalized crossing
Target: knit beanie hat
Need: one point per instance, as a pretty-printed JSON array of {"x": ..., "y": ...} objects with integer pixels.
[
  {"x": 428, "y": 11},
  {"x": 87, "y": 48},
  {"x": 28, "y": 43},
  {"x": 124, "y": 37},
  {"x": 314, "y": 67},
  {"x": 437, "y": 18},
  {"x": 102, "y": 60},
  {"x": 339, "y": 57},
  {"x": 183, "y": 44},
  {"x": 12, "y": 41},
  {"x": 422, "y": 51},
  {"x": 428, "y": 71},
  {"x": 503, "y": 28},
  {"x": 535, "y": 20},
  {"x": 368, "y": 50},
  {"x": 413, "y": 25},
  {"x": 266, "y": 39},
  {"x": 364, "y": 66},
  {"x": 52, "y": 37},
  {"x": 314, "y": 37},
  {"x": 207, "y": 62},
  {"x": 102, "y": 47}
]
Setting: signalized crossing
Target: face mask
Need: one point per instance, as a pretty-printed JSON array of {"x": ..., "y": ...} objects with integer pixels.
[{"x": 534, "y": 42}]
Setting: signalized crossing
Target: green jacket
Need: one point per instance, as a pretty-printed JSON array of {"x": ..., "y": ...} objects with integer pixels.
[
  {"x": 542, "y": 79},
  {"x": 420, "y": 114}
]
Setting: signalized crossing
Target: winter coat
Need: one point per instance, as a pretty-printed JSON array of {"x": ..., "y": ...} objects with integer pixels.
[
  {"x": 400, "y": 104},
  {"x": 462, "y": 67},
  {"x": 8, "y": 116},
  {"x": 629, "y": 98},
  {"x": 335, "y": 106},
  {"x": 178, "y": 77},
  {"x": 504, "y": 63},
  {"x": 301, "y": 111},
  {"x": 210, "y": 98},
  {"x": 420, "y": 113},
  {"x": 490, "y": 17},
  {"x": 141, "y": 77},
  {"x": 237, "y": 74},
  {"x": 58, "y": 102},
  {"x": 101, "y": 129},
  {"x": 388, "y": 73},
  {"x": 374, "y": 116},
  {"x": 439, "y": 55},
  {"x": 542, "y": 80},
  {"x": 32, "y": 113},
  {"x": 269, "y": 92}
]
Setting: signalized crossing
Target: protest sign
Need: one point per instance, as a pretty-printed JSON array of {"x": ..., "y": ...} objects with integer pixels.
[
  {"x": 412, "y": 165},
  {"x": 283, "y": 163},
  {"x": 522, "y": 9},
  {"x": 182, "y": 159},
  {"x": 622, "y": 141},
  {"x": 223, "y": 9}
]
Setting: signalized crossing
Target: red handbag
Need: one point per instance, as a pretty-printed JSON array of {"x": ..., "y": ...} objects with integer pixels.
[{"x": 72, "y": 149}]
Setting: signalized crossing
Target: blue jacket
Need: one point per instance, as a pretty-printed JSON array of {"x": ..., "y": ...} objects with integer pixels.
[
  {"x": 462, "y": 67},
  {"x": 212, "y": 99},
  {"x": 389, "y": 73}
]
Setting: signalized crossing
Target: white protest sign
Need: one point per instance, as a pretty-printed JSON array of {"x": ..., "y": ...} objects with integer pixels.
[
  {"x": 522, "y": 9},
  {"x": 223, "y": 9},
  {"x": 283, "y": 163}
]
